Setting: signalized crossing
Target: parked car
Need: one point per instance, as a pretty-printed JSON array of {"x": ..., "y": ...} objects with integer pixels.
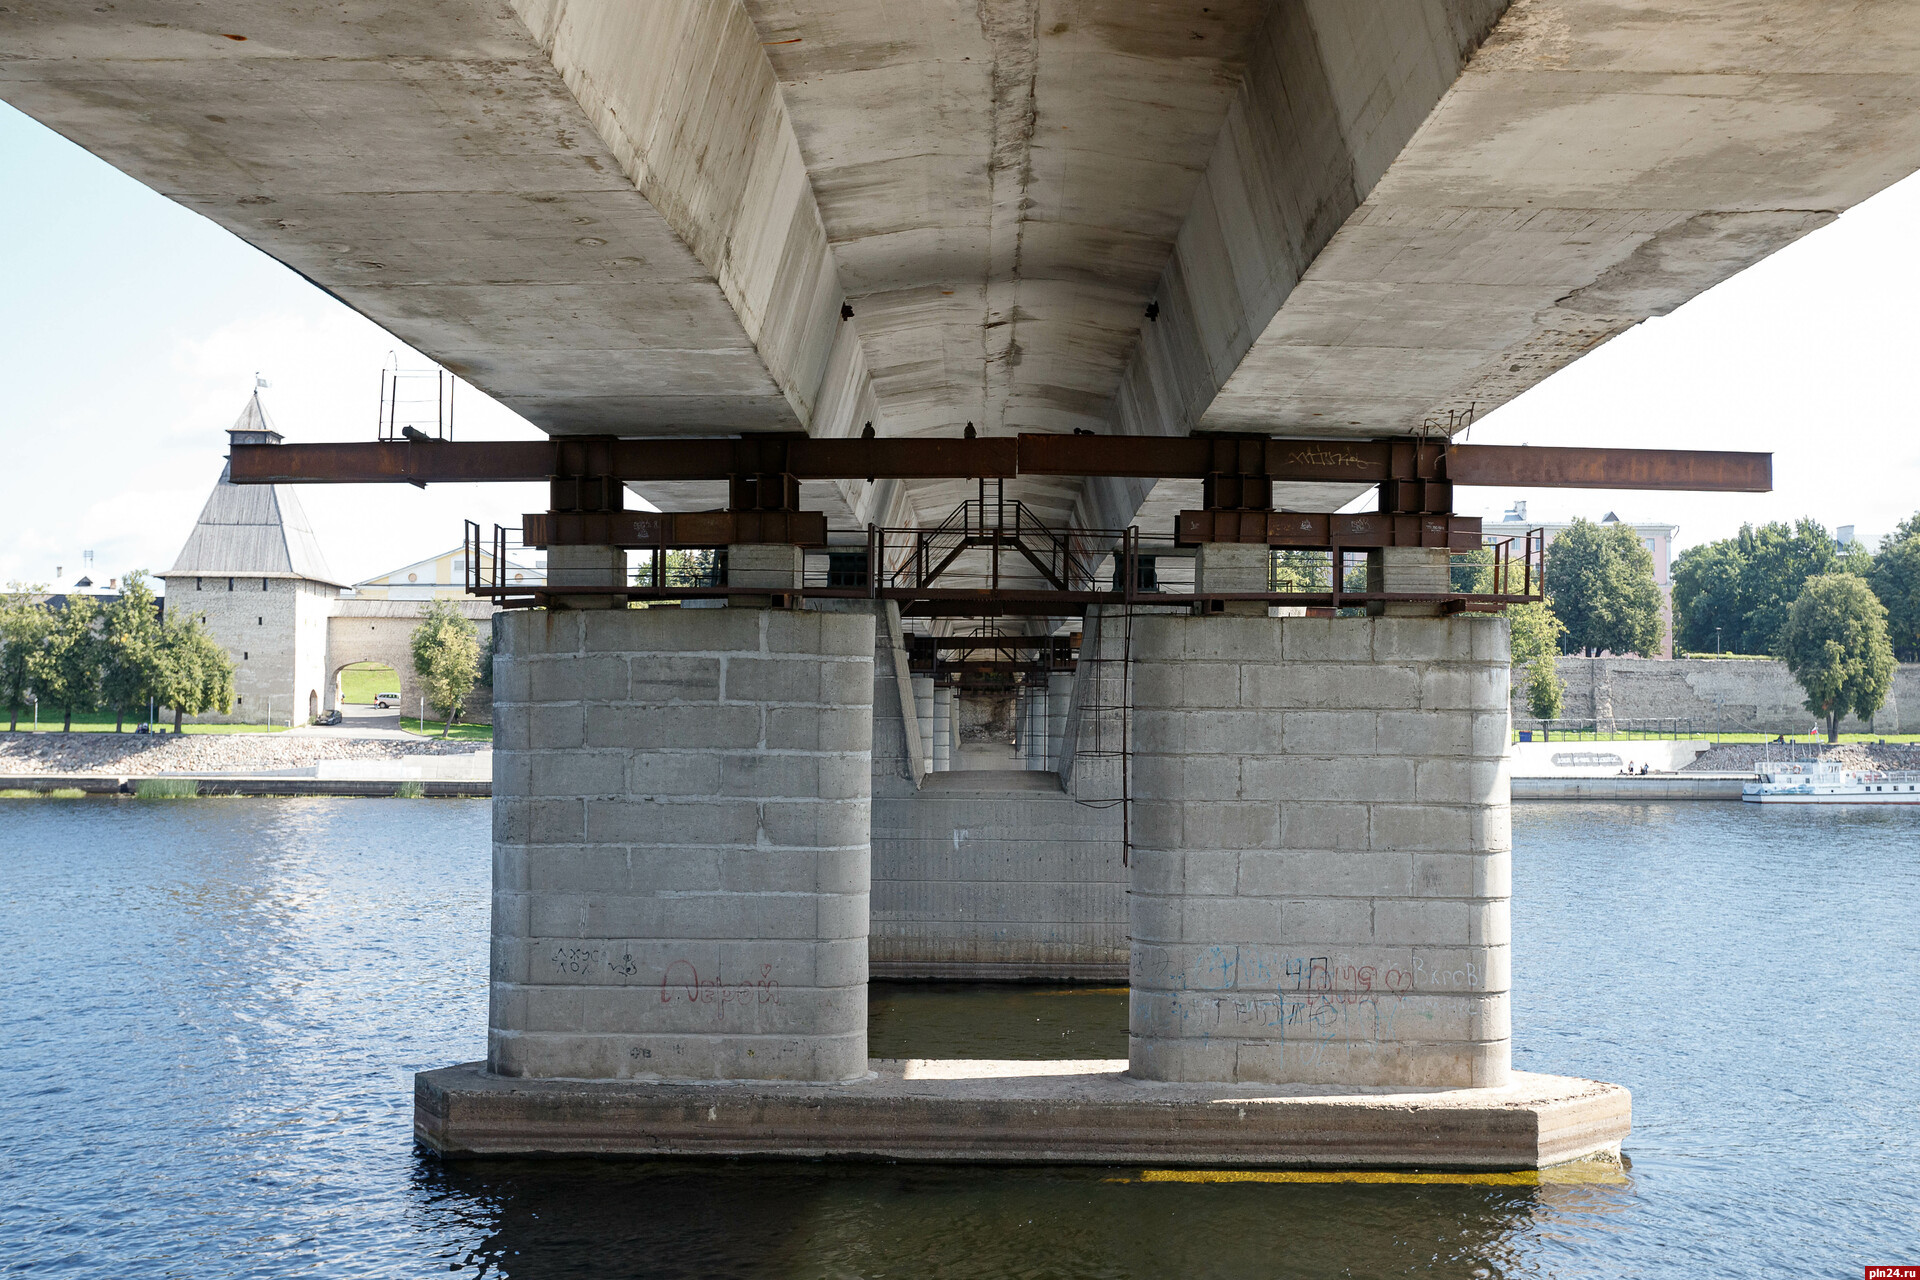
[
  {"x": 329, "y": 717},
  {"x": 385, "y": 700}
]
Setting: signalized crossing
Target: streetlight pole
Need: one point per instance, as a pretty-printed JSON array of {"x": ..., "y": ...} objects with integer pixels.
[{"x": 1716, "y": 640}]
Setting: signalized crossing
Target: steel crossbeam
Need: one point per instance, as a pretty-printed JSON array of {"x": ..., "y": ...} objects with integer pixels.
[{"x": 1405, "y": 462}]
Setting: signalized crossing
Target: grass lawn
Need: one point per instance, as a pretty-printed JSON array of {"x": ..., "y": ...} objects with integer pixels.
[
  {"x": 94, "y": 722},
  {"x": 360, "y": 682},
  {"x": 461, "y": 732}
]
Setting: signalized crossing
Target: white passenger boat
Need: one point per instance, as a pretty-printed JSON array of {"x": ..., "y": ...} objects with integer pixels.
[{"x": 1831, "y": 782}]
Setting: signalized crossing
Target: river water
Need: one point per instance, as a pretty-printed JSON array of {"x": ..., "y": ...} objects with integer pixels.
[{"x": 215, "y": 1008}]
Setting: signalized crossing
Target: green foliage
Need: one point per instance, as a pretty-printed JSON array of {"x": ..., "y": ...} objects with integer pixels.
[
  {"x": 193, "y": 673},
  {"x": 24, "y": 627},
  {"x": 1535, "y": 643},
  {"x": 1298, "y": 571},
  {"x": 1706, "y": 595},
  {"x": 1543, "y": 688},
  {"x": 446, "y": 655},
  {"x": 1835, "y": 643},
  {"x": 130, "y": 637},
  {"x": 66, "y": 668},
  {"x": 1472, "y": 572},
  {"x": 410, "y": 791},
  {"x": 1536, "y": 632},
  {"x": 166, "y": 789},
  {"x": 1779, "y": 562},
  {"x": 1745, "y": 585},
  {"x": 1600, "y": 578},
  {"x": 1895, "y": 578}
]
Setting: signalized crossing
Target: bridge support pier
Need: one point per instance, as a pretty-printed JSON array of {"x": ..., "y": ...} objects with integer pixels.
[
  {"x": 1319, "y": 899},
  {"x": 1320, "y": 862},
  {"x": 681, "y": 841}
]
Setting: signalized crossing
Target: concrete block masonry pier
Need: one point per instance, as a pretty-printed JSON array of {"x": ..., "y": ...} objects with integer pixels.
[
  {"x": 681, "y": 844},
  {"x": 1320, "y": 863},
  {"x": 1318, "y": 901}
]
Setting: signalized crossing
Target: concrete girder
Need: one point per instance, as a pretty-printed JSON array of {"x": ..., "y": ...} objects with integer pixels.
[
  {"x": 426, "y": 165},
  {"x": 1593, "y": 165}
]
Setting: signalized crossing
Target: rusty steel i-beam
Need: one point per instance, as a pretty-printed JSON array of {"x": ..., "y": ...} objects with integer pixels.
[{"x": 1385, "y": 462}]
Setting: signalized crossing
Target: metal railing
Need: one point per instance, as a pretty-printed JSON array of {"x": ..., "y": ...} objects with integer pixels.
[{"x": 1015, "y": 564}]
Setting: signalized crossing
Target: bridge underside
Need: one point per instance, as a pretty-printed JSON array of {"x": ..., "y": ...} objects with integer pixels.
[{"x": 646, "y": 220}]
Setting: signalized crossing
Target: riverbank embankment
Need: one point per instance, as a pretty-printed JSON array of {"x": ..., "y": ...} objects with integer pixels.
[{"x": 245, "y": 764}]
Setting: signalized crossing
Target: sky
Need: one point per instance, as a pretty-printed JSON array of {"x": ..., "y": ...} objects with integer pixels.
[{"x": 132, "y": 330}]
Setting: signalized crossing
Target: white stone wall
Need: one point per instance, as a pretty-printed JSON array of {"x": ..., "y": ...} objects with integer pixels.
[
  {"x": 261, "y": 629},
  {"x": 314, "y": 604},
  {"x": 681, "y": 857},
  {"x": 361, "y": 630},
  {"x": 1320, "y": 869},
  {"x": 1732, "y": 695}
]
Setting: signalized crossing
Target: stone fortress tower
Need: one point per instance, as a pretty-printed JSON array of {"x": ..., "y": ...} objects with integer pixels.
[{"x": 253, "y": 570}]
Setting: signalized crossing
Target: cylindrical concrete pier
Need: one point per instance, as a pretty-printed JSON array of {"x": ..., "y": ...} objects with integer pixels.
[
  {"x": 1321, "y": 867},
  {"x": 942, "y": 729},
  {"x": 681, "y": 844}
]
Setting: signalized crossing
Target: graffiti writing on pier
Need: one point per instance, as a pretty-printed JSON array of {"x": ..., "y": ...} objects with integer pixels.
[
  {"x": 1311, "y": 1004},
  {"x": 586, "y": 962},
  {"x": 682, "y": 982}
]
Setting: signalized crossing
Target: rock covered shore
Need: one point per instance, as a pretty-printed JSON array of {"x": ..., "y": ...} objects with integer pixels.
[
  {"x": 1744, "y": 757},
  {"x": 22, "y": 753}
]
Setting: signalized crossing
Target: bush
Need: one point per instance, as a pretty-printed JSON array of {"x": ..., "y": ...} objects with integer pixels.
[{"x": 410, "y": 791}]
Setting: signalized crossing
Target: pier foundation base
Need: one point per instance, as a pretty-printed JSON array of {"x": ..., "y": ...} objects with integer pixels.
[{"x": 1065, "y": 1112}]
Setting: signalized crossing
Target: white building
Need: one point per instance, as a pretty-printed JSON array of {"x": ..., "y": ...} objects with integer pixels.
[
  {"x": 1656, "y": 537},
  {"x": 254, "y": 572}
]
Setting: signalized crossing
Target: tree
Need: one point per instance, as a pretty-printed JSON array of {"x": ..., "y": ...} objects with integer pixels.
[
  {"x": 67, "y": 665},
  {"x": 446, "y": 655},
  {"x": 1535, "y": 643},
  {"x": 193, "y": 671},
  {"x": 1536, "y": 632},
  {"x": 1835, "y": 643},
  {"x": 24, "y": 626},
  {"x": 1707, "y": 615},
  {"x": 130, "y": 649},
  {"x": 1543, "y": 688},
  {"x": 1600, "y": 578},
  {"x": 1895, "y": 578},
  {"x": 1778, "y": 561},
  {"x": 1472, "y": 572}
]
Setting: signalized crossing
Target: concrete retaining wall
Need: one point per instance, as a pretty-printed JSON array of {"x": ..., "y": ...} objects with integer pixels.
[
  {"x": 681, "y": 844},
  {"x": 1576, "y": 759},
  {"x": 1684, "y": 787},
  {"x": 1321, "y": 850},
  {"x": 1730, "y": 695}
]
